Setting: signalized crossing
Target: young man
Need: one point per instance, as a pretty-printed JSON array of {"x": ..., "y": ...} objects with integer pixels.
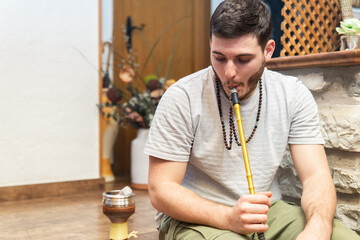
[{"x": 197, "y": 178}]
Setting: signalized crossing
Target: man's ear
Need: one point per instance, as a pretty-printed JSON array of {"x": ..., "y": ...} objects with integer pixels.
[{"x": 269, "y": 49}]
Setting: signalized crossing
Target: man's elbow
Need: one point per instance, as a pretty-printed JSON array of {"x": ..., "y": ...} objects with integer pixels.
[
  {"x": 157, "y": 193},
  {"x": 153, "y": 190}
]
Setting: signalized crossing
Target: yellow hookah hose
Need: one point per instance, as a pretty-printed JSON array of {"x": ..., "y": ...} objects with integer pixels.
[
  {"x": 236, "y": 103},
  {"x": 244, "y": 149}
]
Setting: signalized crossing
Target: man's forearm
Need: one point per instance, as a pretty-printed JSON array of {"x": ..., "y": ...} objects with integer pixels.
[
  {"x": 169, "y": 197},
  {"x": 182, "y": 204},
  {"x": 319, "y": 202}
]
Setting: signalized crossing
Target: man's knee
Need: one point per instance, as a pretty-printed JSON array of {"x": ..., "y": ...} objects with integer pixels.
[
  {"x": 286, "y": 221},
  {"x": 341, "y": 232}
]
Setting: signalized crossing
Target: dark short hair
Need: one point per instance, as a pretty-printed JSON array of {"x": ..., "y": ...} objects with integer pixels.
[{"x": 235, "y": 18}]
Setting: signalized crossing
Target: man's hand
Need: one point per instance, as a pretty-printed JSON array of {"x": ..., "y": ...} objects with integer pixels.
[{"x": 249, "y": 213}]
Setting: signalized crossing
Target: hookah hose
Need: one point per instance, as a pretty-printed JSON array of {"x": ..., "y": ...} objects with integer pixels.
[{"x": 236, "y": 103}]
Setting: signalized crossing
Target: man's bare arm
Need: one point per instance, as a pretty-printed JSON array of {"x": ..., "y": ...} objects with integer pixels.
[
  {"x": 168, "y": 196},
  {"x": 318, "y": 197}
]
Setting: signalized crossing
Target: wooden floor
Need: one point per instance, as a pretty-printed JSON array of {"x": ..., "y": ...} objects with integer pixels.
[{"x": 72, "y": 217}]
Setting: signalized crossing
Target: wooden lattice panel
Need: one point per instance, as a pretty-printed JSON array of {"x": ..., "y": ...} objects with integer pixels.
[{"x": 309, "y": 26}]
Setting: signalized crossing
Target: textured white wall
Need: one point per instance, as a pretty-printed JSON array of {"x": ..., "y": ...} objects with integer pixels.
[{"x": 48, "y": 91}]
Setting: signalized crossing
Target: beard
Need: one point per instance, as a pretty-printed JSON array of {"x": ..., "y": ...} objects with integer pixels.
[{"x": 251, "y": 83}]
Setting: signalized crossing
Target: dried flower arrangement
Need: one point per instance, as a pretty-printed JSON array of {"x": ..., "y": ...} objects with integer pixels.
[{"x": 133, "y": 107}]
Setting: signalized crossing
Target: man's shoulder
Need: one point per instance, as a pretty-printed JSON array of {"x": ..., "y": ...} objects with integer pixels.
[
  {"x": 195, "y": 78},
  {"x": 281, "y": 82},
  {"x": 190, "y": 86},
  {"x": 283, "y": 88},
  {"x": 280, "y": 78}
]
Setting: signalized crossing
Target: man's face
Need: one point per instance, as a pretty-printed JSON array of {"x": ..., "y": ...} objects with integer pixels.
[{"x": 239, "y": 62}]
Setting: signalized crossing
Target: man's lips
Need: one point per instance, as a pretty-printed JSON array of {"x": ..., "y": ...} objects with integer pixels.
[{"x": 233, "y": 86}]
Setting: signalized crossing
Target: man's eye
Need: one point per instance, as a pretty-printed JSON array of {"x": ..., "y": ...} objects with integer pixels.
[
  {"x": 220, "y": 59},
  {"x": 241, "y": 60}
]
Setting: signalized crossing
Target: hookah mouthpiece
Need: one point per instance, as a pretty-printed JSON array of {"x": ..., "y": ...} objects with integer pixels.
[{"x": 234, "y": 96}]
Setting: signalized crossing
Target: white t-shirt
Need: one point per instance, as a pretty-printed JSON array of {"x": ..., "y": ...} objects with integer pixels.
[{"x": 187, "y": 128}]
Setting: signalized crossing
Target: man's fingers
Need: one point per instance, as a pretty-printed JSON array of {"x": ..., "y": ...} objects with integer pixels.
[
  {"x": 250, "y": 228},
  {"x": 258, "y": 199},
  {"x": 268, "y": 194},
  {"x": 254, "y": 218},
  {"x": 254, "y": 208}
]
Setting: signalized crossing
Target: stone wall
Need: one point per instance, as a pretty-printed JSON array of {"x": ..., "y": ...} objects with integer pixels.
[{"x": 337, "y": 93}]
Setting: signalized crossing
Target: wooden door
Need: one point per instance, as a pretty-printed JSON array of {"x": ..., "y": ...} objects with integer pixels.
[{"x": 187, "y": 22}]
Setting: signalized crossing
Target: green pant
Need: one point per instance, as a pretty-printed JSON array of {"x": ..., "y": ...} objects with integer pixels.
[{"x": 285, "y": 220}]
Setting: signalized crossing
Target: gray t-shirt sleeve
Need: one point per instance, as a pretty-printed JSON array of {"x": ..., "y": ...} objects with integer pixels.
[
  {"x": 305, "y": 127},
  {"x": 171, "y": 132}
]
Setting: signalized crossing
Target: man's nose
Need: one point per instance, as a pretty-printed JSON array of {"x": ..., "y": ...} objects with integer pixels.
[{"x": 230, "y": 70}]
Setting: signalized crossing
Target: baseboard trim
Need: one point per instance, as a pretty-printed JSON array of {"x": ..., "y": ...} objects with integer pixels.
[{"x": 50, "y": 189}]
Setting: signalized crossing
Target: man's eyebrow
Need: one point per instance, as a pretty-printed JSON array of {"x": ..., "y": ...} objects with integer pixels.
[
  {"x": 216, "y": 52},
  {"x": 239, "y": 55},
  {"x": 245, "y": 54}
]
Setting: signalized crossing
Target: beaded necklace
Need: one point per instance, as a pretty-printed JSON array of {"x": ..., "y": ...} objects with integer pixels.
[{"x": 231, "y": 117}]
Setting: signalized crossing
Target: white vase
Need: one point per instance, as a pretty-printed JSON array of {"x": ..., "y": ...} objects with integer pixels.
[{"x": 139, "y": 160}]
